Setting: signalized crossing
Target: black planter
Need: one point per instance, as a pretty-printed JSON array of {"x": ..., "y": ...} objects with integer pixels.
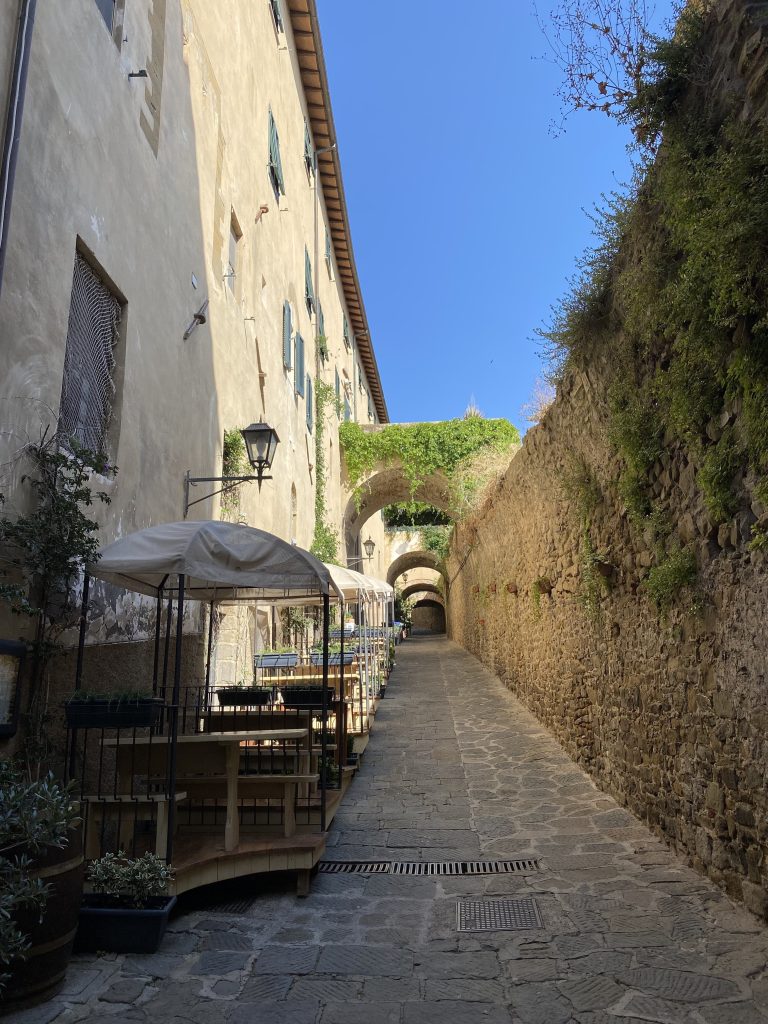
[
  {"x": 333, "y": 659},
  {"x": 113, "y": 714},
  {"x": 121, "y": 929},
  {"x": 306, "y": 696},
  {"x": 276, "y": 660},
  {"x": 245, "y": 696}
]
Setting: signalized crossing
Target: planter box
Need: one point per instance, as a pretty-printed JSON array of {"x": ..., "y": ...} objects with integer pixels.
[
  {"x": 276, "y": 660},
  {"x": 306, "y": 696},
  {"x": 333, "y": 659},
  {"x": 121, "y": 930},
  {"x": 245, "y": 696},
  {"x": 113, "y": 714}
]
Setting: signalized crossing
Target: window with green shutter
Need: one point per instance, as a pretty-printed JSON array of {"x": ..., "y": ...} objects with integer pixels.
[
  {"x": 309, "y": 157},
  {"x": 328, "y": 257},
  {"x": 370, "y": 406},
  {"x": 310, "y": 409},
  {"x": 347, "y": 411},
  {"x": 299, "y": 365},
  {"x": 274, "y": 165},
  {"x": 338, "y": 393},
  {"x": 277, "y": 14},
  {"x": 309, "y": 291},
  {"x": 287, "y": 332},
  {"x": 345, "y": 332}
]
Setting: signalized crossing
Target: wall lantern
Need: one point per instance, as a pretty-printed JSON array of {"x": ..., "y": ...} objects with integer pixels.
[
  {"x": 12, "y": 654},
  {"x": 261, "y": 443},
  {"x": 369, "y": 545}
]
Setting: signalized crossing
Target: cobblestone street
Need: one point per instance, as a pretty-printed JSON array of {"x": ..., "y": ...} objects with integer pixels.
[{"x": 456, "y": 770}]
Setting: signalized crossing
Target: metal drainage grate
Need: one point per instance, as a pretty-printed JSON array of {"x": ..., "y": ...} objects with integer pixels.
[
  {"x": 354, "y": 867},
  {"x": 502, "y": 915},
  {"x": 446, "y": 867},
  {"x": 233, "y": 906}
]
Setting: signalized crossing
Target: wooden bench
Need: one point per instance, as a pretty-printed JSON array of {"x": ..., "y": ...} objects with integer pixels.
[
  {"x": 283, "y": 787},
  {"x": 97, "y": 809}
]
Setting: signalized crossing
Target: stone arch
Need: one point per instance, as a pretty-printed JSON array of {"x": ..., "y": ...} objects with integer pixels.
[
  {"x": 389, "y": 485},
  {"x": 416, "y": 589},
  {"x": 428, "y": 616},
  {"x": 412, "y": 560}
]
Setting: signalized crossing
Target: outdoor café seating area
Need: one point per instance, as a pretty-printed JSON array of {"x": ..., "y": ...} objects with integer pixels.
[{"x": 221, "y": 779}]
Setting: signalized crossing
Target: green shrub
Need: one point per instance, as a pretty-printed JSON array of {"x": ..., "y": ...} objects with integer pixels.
[{"x": 665, "y": 580}]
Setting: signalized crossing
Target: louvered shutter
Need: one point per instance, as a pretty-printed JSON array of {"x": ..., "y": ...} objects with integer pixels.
[
  {"x": 275, "y": 164},
  {"x": 309, "y": 291},
  {"x": 310, "y": 409},
  {"x": 287, "y": 330},
  {"x": 299, "y": 368}
]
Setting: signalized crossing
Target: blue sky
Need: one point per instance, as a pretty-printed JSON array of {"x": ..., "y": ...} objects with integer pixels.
[{"x": 467, "y": 214}]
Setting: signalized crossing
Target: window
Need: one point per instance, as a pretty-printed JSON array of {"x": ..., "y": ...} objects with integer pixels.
[
  {"x": 347, "y": 411},
  {"x": 309, "y": 156},
  {"x": 287, "y": 332},
  {"x": 310, "y": 410},
  {"x": 328, "y": 256},
  {"x": 274, "y": 165},
  {"x": 277, "y": 14},
  {"x": 309, "y": 291},
  {"x": 370, "y": 406},
  {"x": 235, "y": 234},
  {"x": 345, "y": 332},
  {"x": 360, "y": 379},
  {"x": 338, "y": 393},
  {"x": 107, "y": 9},
  {"x": 299, "y": 366},
  {"x": 88, "y": 384}
]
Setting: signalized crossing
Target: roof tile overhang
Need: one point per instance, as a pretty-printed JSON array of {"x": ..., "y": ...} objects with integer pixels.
[{"x": 309, "y": 52}]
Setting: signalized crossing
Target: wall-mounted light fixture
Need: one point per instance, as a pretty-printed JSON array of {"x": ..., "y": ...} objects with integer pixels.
[
  {"x": 138, "y": 74},
  {"x": 369, "y": 545},
  {"x": 12, "y": 654},
  {"x": 198, "y": 318},
  {"x": 261, "y": 442}
]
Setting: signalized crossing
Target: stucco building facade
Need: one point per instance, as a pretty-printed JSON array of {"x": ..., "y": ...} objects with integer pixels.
[{"x": 179, "y": 260}]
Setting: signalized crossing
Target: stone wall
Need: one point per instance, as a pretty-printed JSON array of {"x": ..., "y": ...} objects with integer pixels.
[{"x": 669, "y": 712}]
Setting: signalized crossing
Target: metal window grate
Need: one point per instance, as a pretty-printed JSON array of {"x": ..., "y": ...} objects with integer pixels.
[
  {"x": 88, "y": 387},
  {"x": 448, "y": 867},
  {"x": 497, "y": 915}
]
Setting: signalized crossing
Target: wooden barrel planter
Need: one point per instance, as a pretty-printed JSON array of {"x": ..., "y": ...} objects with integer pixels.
[{"x": 41, "y": 974}]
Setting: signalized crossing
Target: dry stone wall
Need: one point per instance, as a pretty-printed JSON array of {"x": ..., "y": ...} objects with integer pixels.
[{"x": 667, "y": 711}]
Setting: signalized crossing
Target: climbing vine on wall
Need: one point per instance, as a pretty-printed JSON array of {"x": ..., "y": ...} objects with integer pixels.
[
  {"x": 679, "y": 284},
  {"x": 325, "y": 543},
  {"x": 422, "y": 448},
  {"x": 233, "y": 463}
]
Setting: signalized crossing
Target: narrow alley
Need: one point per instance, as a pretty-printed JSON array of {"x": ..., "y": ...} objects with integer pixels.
[{"x": 456, "y": 770}]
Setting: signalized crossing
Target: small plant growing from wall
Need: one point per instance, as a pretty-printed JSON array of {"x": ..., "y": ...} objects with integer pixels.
[
  {"x": 583, "y": 492},
  {"x": 666, "y": 580},
  {"x": 325, "y": 544},
  {"x": 233, "y": 463}
]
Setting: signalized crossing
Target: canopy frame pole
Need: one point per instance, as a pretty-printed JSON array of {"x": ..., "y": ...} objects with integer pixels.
[
  {"x": 171, "y": 794},
  {"x": 79, "y": 668},
  {"x": 341, "y": 732},
  {"x": 158, "y": 624},
  {"x": 324, "y": 718}
]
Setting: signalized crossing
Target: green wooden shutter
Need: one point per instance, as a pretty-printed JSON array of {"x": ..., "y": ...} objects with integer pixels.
[
  {"x": 345, "y": 331},
  {"x": 309, "y": 157},
  {"x": 299, "y": 367},
  {"x": 338, "y": 388},
  {"x": 347, "y": 411},
  {"x": 309, "y": 291},
  {"x": 320, "y": 320},
  {"x": 287, "y": 331},
  {"x": 277, "y": 14},
  {"x": 328, "y": 250},
  {"x": 310, "y": 409},
  {"x": 275, "y": 164}
]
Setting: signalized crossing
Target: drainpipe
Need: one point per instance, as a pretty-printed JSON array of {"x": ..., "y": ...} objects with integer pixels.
[{"x": 12, "y": 134}]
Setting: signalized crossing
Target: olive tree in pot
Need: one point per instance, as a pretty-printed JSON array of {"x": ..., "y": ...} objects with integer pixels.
[
  {"x": 41, "y": 884},
  {"x": 128, "y": 908}
]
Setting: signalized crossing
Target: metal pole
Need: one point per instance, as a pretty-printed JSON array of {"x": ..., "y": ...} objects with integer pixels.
[
  {"x": 158, "y": 621},
  {"x": 324, "y": 721},
  {"x": 81, "y": 638},
  {"x": 175, "y": 719}
]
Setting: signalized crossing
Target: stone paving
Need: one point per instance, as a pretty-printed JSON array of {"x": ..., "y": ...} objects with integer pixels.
[{"x": 456, "y": 770}]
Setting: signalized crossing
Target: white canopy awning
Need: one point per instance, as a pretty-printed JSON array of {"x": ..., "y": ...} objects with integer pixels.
[{"x": 220, "y": 562}]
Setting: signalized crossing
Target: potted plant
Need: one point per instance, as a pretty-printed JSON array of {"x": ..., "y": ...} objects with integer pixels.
[
  {"x": 244, "y": 695},
  {"x": 307, "y": 696},
  {"x": 128, "y": 908},
  {"x": 127, "y": 709},
  {"x": 334, "y": 656},
  {"x": 41, "y": 884},
  {"x": 284, "y": 657}
]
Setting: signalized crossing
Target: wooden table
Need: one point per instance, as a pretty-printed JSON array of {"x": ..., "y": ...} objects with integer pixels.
[{"x": 207, "y": 756}]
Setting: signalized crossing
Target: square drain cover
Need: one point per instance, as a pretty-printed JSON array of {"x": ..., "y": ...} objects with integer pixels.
[{"x": 501, "y": 915}]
